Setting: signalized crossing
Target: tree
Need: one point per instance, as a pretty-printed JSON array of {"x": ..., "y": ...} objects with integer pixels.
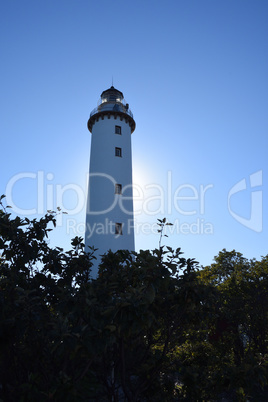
[
  {"x": 150, "y": 327},
  {"x": 65, "y": 337},
  {"x": 238, "y": 324}
]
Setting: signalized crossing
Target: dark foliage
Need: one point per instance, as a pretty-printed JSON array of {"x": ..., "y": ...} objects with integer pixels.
[{"x": 151, "y": 327}]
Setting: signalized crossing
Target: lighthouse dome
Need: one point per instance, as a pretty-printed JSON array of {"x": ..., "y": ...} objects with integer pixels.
[{"x": 112, "y": 95}]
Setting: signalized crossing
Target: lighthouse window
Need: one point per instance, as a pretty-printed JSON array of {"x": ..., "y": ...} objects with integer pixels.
[
  {"x": 118, "y": 188},
  {"x": 118, "y": 229},
  {"x": 118, "y": 151},
  {"x": 117, "y": 129}
]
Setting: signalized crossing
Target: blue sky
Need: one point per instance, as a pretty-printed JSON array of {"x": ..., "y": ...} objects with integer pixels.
[{"x": 195, "y": 75}]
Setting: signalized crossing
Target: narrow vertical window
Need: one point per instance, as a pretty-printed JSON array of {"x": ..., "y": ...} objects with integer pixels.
[
  {"x": 118, "y": 228},
  {"x": 118, "y": 151},
  {"x": 118, "y": 130},
  {"x": 118, "y": 188}
]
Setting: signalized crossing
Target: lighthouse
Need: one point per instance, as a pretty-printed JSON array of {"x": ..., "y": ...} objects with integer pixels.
[{"x": 109, "y": 217}]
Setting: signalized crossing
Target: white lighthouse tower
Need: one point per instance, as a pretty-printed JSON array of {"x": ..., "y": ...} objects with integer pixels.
[{"x": 109, "y": 220}]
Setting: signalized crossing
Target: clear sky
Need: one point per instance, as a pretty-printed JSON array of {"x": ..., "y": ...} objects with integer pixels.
[{"x": 195, "y": 75}]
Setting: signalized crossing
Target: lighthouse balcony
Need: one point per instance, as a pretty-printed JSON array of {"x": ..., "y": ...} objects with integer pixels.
[{"x": 113, "y": 107}]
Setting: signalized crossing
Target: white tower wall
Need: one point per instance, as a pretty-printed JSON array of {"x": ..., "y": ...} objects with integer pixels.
[{"x": 109, "y": 221}]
